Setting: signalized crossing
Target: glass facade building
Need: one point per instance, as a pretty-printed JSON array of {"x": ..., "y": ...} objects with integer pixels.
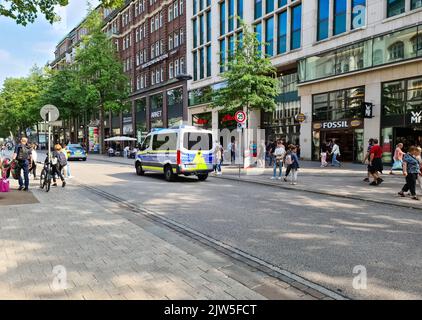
[{"x": 393, "y": 47}]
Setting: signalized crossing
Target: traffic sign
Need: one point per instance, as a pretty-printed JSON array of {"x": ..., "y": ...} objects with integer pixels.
[
  {"x": 240, "y": 116},
  {"x": 49, "y": 109}
]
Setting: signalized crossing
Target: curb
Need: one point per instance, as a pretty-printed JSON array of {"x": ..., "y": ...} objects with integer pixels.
[{"x": 269, "y": 184}]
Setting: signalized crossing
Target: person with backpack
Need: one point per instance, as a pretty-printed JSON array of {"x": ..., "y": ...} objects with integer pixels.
[
  {"x": 23, "y": 156},
  {"x": 58, "y": 162},
  {"x": 294, "y": 166},
  {"x": 279, "y": 153},
  {"x": 288, "y": 161}
]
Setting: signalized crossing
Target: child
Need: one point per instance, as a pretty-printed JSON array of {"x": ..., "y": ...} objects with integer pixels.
[
  {"x": 294, "y": 166},
  {"x": 324, "y": 162},
  {"x": 411, "y": 170}
]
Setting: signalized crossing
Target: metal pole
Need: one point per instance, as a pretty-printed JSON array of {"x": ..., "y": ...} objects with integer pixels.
[{"x": 49, "y": 136}]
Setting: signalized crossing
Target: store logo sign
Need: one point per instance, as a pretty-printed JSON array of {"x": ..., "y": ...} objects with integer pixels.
[
  {"x": 156, "y": 114},
  {"x": 335, "y": 125},
  {"x": 415, "y": 117}
]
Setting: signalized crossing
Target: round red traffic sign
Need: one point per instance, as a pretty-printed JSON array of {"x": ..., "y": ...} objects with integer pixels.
[{"x": 240, "y": 116}]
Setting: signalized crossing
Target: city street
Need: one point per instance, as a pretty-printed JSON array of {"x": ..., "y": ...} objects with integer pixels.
[{"x": 318, "y": 238}]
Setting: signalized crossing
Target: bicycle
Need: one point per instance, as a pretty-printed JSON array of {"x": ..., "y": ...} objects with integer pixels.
[{"x": 46, "y": 176}]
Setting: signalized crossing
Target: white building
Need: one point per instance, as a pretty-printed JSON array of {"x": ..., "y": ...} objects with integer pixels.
[{"x": 332, "y": 56}]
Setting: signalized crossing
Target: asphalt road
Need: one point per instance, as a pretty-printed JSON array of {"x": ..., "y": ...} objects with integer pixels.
[{"x": 320, "y": 238}]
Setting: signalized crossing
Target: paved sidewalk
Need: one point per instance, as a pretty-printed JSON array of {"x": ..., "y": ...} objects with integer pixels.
[
  {"x": 346, "y": 181},
  {"x": 76, "y": 245}
]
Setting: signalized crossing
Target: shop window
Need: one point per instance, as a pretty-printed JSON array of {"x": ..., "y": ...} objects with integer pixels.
[
  {"x": 414, "y": 4},
  {"x": 175, "y": 106},
  {"x": 393, "y": 98}
]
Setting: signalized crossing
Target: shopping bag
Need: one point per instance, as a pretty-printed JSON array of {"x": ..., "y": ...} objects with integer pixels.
[
  {"x": 397, "y": 165},
  {"x": 4, "y": 185}
]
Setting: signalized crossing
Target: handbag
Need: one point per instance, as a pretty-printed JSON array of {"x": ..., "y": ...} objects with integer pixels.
[{"x": 397, "y": 165}]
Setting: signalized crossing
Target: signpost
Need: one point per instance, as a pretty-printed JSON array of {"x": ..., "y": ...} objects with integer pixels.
[
  {"x": 49, "y": 113},
  {"x": 240, "y": 117}
]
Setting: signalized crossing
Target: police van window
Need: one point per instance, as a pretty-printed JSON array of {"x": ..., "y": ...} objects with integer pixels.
[
  {"x": 146, "y": 143},
  {"x": 164, "y": 141},
  {"x": 197, "y": 141}
]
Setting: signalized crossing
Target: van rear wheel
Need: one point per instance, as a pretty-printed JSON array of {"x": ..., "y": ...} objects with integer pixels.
[
  {"x": 168, "y": 173},
  {"x": 202, "y": 177}
]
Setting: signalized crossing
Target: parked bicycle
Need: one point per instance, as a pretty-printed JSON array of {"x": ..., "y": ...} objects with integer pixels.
[{"x": 46, "y": 176}]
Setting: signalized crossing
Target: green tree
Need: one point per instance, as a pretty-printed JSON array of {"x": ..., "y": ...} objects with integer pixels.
[
  {"x": 101, "y": 72},
  {"x": 26, "y": 11},
  {"x": 250, "y": 78},
  {"x": 20, "y": 102}
]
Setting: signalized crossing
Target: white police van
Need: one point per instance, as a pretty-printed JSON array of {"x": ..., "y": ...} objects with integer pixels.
[{"x": 183, "y": 150}]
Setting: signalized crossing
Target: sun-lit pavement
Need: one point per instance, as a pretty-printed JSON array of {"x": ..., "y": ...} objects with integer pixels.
[
  {"x": 74, "y": 246},
  {"x": 319, "y": 237}
]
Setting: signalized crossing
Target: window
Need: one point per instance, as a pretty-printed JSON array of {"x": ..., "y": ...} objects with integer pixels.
[
  {"x": 258, "y": 9},
  {"x": 201, "y": 63},
  {"x": 338, "y": 105},
  {"x": 258, "y": 31},
  {"x": 396, "y": 51},
  {"x": 182, "y": 65},
  {"x": 222, "y": 18},
  {"x": 295, "y": 40},
  {"x": 197, "y": 141},
  {"x": 282, "y": 32},
  {"x": 176, "y": 40},
  {"x": 208, "y": 61},
  {"x": 175, "y": 9},
  {"x": 395, "y": 7},
  {"x": 201, "y": 30},
  {"x": 323, "y": 19},
  {"x": 414, "y": 4},
  {"x": 171, "y": 70},
  {"x": 239, "y": 11},
  {"x": 269, "y": 36},
  {"x": 340, "y": 7},
  {"x": 208, "y": 26},
  {"x": 167, "y": 141},
  {"x": 181, "y": 7},
  {"x": 170, "y": 13},
  {"x": 170, "y": 42},
  {"x": 358, "y": 14},
  {"x": 269, "y": 6},
  {"x": 176, "y": 68},
  {"x": 182, "y": 36},
  {"x": 231, "y": 15},
  {"x": 195, "y": 33},
  {"x": 195, "y": 65},
  {"x": 222, "y": 54}
]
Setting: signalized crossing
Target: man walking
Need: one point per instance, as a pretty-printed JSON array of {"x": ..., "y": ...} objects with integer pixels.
[
  {"x": 366, "y": 159},
  {"x": 23, "y": 155},
  {"x": 335, "y": 154},
  {"x": 375, "y": 163}
]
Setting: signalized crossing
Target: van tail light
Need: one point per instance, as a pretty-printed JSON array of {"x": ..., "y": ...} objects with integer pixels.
[{"x": 179, "y": 158}]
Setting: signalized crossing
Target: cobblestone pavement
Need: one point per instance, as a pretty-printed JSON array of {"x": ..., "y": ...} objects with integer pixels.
[{"x": 74, "y": 245}]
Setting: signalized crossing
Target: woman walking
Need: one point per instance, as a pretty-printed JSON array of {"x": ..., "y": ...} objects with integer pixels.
[
  {"x": 398, "y": 158},
  {"x": 411, "y": 170},
  {"x": 324, "y": 162},
  {"x": 33, "y": 167},
  {"x": 218, "y": 158},
  {"x": 58, "y": 162}
]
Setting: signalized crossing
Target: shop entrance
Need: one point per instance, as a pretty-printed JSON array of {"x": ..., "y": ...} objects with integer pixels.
[
  {"x": 408, "y": 136},
  {"x": 350, "y": 143}
]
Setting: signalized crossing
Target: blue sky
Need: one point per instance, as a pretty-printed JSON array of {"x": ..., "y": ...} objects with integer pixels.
[{"x": 22, "y": 47}]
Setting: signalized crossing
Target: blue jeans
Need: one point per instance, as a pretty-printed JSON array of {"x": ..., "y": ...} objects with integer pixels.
[
  {"x": 334, "y": 161},
  {"x": 280, "y": 166},
  {"x": 24, "y": 164},
  {"x": 271, "y": 159}
]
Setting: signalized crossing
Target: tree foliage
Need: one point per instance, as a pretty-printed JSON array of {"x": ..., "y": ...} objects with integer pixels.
[
  {"x": 250, "y": 77},
  {"x": 26, "y": 11},
  {"x": 20, "y": 101}
]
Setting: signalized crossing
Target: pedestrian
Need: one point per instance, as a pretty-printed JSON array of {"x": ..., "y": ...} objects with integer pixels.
[
  {"x": 294, "y": 166},
  {"x": 231, "y": 147},
  {"x": 22, "y": 155},
  {"x": 126, "y": 152},
  {"x": 34, "y": 157},
  {"x": 397, "y": 158},
  {"x": 270, "y": 151},
  {"x": 66, "y": 168},
  {"x": 58, "y": 162},
  {"x": 218, "y": 158},
  {"x": 335, "y": 154},
  {"x": 279, "y": 153},
  {"x": 411, "y": 170},
  {"x": 324, "y": 162},
  {"x": 419, "y": 158},
  {"x": 366, "y": 159},
  {"x": 375, "y": 163},
  {"x": 288, "y": 161}
]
